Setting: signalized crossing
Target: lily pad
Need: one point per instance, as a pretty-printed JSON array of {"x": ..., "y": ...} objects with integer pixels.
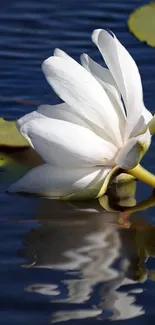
[
  {"x": 10, "y": 136},
  {"x": 25, "y": 157},
  {"x": 15, "y": 151},
  {"x": 15, "y": 163},
  {"x": 141, "y": 23}
]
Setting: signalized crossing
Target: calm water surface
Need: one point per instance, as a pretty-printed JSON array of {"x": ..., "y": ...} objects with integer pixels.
[{"x": 70, "y": 262}]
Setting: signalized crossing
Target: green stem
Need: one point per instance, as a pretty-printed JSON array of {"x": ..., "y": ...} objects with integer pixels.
[{"x": 142, "y": 174}]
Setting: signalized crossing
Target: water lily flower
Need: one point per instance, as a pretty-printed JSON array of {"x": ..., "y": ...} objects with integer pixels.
[{"x": 101, "y": 126}]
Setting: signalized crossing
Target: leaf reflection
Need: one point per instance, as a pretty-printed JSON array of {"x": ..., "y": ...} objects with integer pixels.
[{"x": 101, "y": 258}]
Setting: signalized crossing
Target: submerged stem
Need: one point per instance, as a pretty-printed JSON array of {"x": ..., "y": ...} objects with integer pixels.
[{"x": 142, "y": 174}]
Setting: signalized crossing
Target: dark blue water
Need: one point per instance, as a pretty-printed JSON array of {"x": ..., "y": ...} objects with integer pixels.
[{"x": 65, "y": 262}]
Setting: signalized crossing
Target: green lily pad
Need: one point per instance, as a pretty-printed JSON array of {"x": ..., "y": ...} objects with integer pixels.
[
  {"x": 141, "y": 23},
  {"x": 16, "y": 163},
  {"x": 15, "y": 152},
  {"x": 25, "y": 157},
  {"x": 10, "y": 136}
]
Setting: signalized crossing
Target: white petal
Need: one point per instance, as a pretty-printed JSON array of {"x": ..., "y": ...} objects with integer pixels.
[
  {"x": 126, "y": 74},
  {"x": 63, "y": 112},
  {"x": 105, "y": 78},
  {"x": 103, "y": 75},
  {"x": 26, "y": 118},
  {"x": 60, "y": 111},
  {"x": 66, "y": 113},
  {"x": 66, "y": 144},
  {"x": 139, "y": 128},
  {"x": 61, "y": 54},
  {"x": 81, "y": 91},
  {"x": 147, "y": 115},
  {"x": 57, "y": 182},
  {"x": 133, "y": 150}
]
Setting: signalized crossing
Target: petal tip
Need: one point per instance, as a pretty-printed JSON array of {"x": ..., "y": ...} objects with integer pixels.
[
  {"x": 56, "y": 51},
  {"x": 60, "y": 53},
  {"x": 46, "y": 63},
  {"x": 95, "y": 35},
  {"x": 84, "y": 59},
  {"x": 106, "y": 34}
]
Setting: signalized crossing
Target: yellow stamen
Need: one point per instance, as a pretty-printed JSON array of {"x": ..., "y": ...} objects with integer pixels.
[{"x": 142, "y": 174}]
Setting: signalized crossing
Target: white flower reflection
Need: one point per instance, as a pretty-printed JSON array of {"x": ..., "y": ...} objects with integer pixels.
[
  {"x": 64, "y": 315},
  {"x": 84, "y": 246},
  {"x": 44, "y": 289},
  {"x": 124, "y": 303}
]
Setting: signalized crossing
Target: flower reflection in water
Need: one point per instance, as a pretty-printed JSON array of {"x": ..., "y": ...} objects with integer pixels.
[{"x": 101, "y": 261}]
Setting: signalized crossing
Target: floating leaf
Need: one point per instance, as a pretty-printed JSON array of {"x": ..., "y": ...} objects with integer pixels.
[
  {"x": 15, "y": 153},
  {"x": 25, "y": 156},
  {"x": 141, "y": 23},
  {"x": 10, "y": 136},
  {"x": 16, "y": 162}
]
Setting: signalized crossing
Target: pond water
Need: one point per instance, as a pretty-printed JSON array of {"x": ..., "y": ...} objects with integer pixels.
[{"x": 70, "y": 262}]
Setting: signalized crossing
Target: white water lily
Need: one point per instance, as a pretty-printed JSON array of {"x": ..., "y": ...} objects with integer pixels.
[{"x": 101, "y": 126}]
